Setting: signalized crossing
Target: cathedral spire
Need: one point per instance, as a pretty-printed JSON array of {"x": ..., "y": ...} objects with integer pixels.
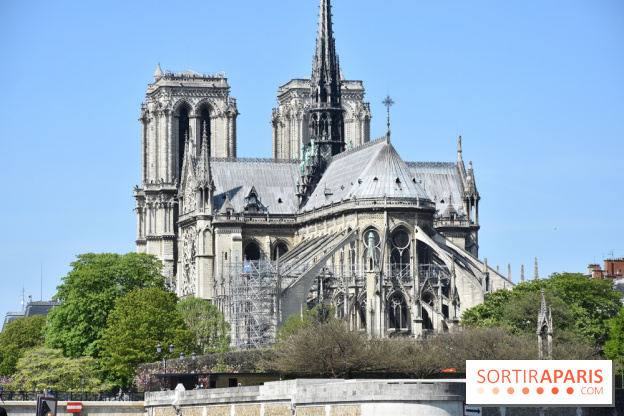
[
  {"x": 326, "y": 113},
  {"x": 326, "y": 119},
  {"x": 325, "y": 81}
]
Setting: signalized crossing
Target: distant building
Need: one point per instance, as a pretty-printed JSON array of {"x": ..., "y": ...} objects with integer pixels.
[
  {"x": 32, "y": 309},
  {"x": 613, "y": 269}
]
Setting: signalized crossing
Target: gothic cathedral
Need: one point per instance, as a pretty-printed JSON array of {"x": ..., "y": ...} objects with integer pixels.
[{"x": 333, "y": 218}]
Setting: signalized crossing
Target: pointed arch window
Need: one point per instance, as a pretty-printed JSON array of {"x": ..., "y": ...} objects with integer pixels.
[
  {"x": 252, "y": 252},
  {"x": 204, "y": 126},
  {"x": 339, "y": 305},
  {"x": 183, "y": 131},
  {"x": 397, "y": 313},
  {"x": 400, "y": 254},
  {"x": 280, "y": 249},
  {"x": 362, "y": 313}
]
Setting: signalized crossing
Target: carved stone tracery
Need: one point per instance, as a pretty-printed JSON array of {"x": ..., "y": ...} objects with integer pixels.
[{"x": 189, "y": 269}]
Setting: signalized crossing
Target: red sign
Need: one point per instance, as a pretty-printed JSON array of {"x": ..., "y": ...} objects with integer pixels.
[{"x": 74, "y": 407}]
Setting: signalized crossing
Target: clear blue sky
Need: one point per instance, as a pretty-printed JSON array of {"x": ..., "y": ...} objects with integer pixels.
[{"x": 535, "y": 88}]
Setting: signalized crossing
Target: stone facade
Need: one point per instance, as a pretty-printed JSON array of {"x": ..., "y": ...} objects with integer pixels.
[
  {"x": 392, "y": 245},
  {"x": 180, "y": 109},
  {"x": 290, "y": 119}
]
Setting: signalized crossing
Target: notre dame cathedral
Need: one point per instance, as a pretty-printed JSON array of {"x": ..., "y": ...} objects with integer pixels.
[{"x": 333, "y": 218}]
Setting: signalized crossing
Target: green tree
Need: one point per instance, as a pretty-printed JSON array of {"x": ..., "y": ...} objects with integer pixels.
[
  {"x": 580, "y": 307},
  {"x": 614, "y": 347},
  {"x": 140, "y": 320},
  {"x": 207, "y": 323},
  {"x": 16, "y": 338},
  {"x": 43, "y": 367},
  {"x": 88, "y": 294}
]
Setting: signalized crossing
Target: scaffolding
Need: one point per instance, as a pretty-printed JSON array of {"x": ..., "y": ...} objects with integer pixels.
[
  {"x": 252, "y": 299},
  {"x": 251, "y": 303}
]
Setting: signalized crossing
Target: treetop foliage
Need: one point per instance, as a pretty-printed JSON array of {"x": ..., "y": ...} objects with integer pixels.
[
  {"x": 88, "y": 294},
  {"x": 141, "y": 320},
  {"x": 614, "y": 348},
  {"x": 580, "y": 306},
  {"x": 208, "y": 324},
  {"x": 42, "y": 368},
  {"x": 16, "y": 338}
]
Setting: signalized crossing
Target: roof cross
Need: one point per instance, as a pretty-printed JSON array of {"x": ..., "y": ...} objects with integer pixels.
[{"x": 388, "y": 102}]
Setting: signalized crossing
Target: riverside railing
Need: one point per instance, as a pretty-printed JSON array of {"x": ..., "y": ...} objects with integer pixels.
[{"x": 74, "y": 396}]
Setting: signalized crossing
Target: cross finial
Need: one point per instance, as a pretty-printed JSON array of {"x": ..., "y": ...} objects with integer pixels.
[{"x": 388, "y": 102}]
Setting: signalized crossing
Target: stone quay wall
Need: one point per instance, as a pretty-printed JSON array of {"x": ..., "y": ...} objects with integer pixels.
[{"x": 316, "y": 397}]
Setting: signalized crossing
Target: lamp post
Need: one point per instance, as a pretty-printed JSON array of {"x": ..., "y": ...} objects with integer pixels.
[
  {"x": 159, "y": 349},
  {"x": 83, "y": 384},
  {"x": 193, "y": 358}
]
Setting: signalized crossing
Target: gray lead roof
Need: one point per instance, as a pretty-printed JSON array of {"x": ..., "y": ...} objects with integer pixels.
[
  {"x": 272, "y": 180},
  {"x": 371, "y": 171},
  {"x": 350, "y": 174},
  {"x": 440, "y": 180}
]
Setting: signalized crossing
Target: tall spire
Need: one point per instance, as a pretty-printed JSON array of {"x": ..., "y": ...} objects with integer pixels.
[
  {"x": 536, "y": 276},
  {"x": 326, "y": 121},
  {"x": 326, "y": 114},
  {"x": 460, "y": 160},
  {"x": 325, "y": 81}
]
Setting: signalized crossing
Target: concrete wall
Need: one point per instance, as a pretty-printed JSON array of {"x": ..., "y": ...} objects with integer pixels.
[{"x": 28, "y": 408}]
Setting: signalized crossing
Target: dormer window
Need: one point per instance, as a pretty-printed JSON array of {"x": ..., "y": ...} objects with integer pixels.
[{"x": 252, "y": 201}]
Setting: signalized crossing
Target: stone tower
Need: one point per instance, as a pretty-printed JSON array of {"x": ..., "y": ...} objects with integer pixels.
[{"x": 179, "y": 110}]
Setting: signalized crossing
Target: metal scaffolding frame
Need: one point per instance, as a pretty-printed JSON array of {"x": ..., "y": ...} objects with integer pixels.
[{"x": 252, "y": 301}]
